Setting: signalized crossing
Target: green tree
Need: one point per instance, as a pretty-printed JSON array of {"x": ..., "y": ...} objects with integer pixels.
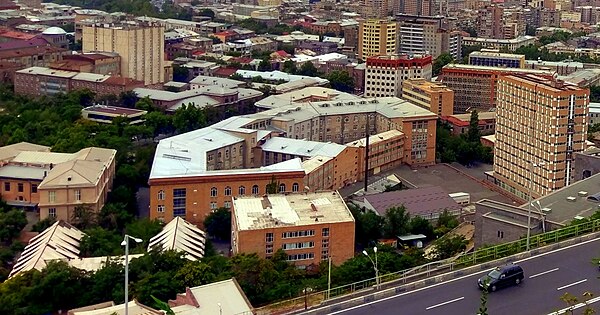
[
  {"x": 368, "y": 225},
  {"x": 12, "y": 223},
  {"x": 265, "y": 65},
  {"x": 158, "y": 123},
  {"x": 128, "y": 99},
  {"x": 473, "y": 134},
  {"x": 188, "y": 118},
  {"x": 273, "y": 186},
  {"x": 397, "y": 222},
  {"x": 195, "y": 273},
  {"x": 308, "y": 69},
  {"x": 218, "y": 224},
  {"x": 83, "y": 217},
  {"x": 419, "y": 225},
  {"x": 144, "y": 229},
  {"x": 207, "y": 12},
  {"x": 42, "y": 225},
  {"x": 341, "y": 81},
  {"x": 100, "y": 242},
  {"x": 440, "y": 62},
  {"x": 446, "y": 247},
  {"x": 107, "y": 283},
  {"x": 289, "y": 66},
  {"x": 145, "y": 103}
]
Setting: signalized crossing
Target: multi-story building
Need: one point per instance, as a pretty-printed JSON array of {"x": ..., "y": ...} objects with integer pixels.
[
  {"x": 496, "y": 59},
  {"x": 384, "y": 74},
  {"x": 140, "y": 46},
  {"x": 540, "y": 124},
  {"x": 55, "y": 183},
  {"x": 31, "y": 53},
  {"x": 489, "y": 22},
  {"x": 376, "y": 37},
  {"x": 310, "y": 227},
  {"x": 475, "y": 86},
  {"x": 386, "y": 151},
  {"x": 500, "y": 44},
  {"x": 38, "y": 81},
  {"x": 460, "y": 123},
  {"x": 107, "y": 114},
  {"x": 99, "y": 63},
  {"x": 433, "y": 96},
  {"x": 375, "y": 9},
  {"x": 416, "y": 7},
  {"x": 430, "y": 35}
]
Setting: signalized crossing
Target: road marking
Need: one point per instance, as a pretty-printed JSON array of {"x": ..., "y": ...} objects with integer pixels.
[
  {"x": 444, "y": 303},
  {"x": 576, "y": 306},
  {"x": 570, "y": 285},
  {"x": 444, "y": 282},
  {"x": 543, "y": 273}
]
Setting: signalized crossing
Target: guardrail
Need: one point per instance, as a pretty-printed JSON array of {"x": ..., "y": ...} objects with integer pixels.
[{"x": 479, "y": 256}]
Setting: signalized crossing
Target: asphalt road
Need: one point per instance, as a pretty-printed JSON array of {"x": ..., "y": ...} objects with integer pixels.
[{"x": 547, "y": 277}]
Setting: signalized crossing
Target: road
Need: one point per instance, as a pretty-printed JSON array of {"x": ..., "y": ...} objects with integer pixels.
[{"x": 547, "y": 277}]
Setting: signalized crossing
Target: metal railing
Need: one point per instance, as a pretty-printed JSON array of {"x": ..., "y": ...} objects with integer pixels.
[{"x": 478, "y": 256}]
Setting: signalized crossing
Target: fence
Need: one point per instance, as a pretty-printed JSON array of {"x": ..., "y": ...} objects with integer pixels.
[{"x": 479, "y": 256}]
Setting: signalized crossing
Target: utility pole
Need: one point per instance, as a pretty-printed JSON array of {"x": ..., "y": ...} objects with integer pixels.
[{"x": 367, "y": 153}]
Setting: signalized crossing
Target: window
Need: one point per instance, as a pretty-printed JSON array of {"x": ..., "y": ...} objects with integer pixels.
[
  {"x": 298, "y": 245},
  {"x": 52, "y": 212},
  {"x": 52, "y": 196},
  {"x": 20, "y": 187},
  {"x": 269, "y": 237},
  {"x": 77, "y": 195},
  {"x": 179, "y": 199},
  {"x": 161, "y": 195},
  {"x": 282, "y": 188},
  {"x": 298, "y": 234},
  {"x": 295, "y": 187},
  {"x": 242, "y": 190},
  {"x": 255, "y": 190},
  {"x": 33, "y": 188},
  {"x": 325, "y": 243},
  {"x": 325, "y": 254},
  {"x": 213, "y": 205},
  {"x": 269, "y": 249},
  {"x": 160, "y": 208},
  {"x": 325, "y": 232},
  {"x": 227, "y": 204},
  {"x": 304, "y": 256},
  {"x": 6, "y": 186},
  {"x": 213, "y": 192},
  {"x": 227, "y": 191}
]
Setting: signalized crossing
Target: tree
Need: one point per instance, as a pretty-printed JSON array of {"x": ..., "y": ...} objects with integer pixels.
[
  {"x": 397, "y": 222},
  {"x": 273, "y": 186},
  {"x": 146, "y": 104},
  {"x": 368, "y": 225},
  {"x": 180, "y": 74},
  {"x": 308, "y": 69},
  {"x": 144, "y": 229},
  {"x": 158, "y": 123},
  {"x": 341, "y": 81},
  {"x": 12, "y": 223},
  {"x": 440, "y": 62},
  {"x": 42, "y": 225},
  {"x": 265, "y": 65},
  {"x": 100, "y": 242},
  {"x": 449, "y": 246},
  {"x": 289, "y": 67},
  {"x": 195, "y": 273},
  {"x": 83, "y": 217},
  {"x": 107, "y": 283},
  {"x": 128, "y": 99},
  {"x": 473, "y": 134},
  {"x": 188, "y": 118},
  {"x": 207, "y": 12},
  {"x": 218, "y": 224},
  {"x": 419, "y": 225},
  {"x": 445, "y": 223}
]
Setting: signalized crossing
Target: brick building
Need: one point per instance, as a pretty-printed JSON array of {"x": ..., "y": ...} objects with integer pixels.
[
  {"x": 310, "y": 228},
  {"x": 99, "y": 63},
  {"x": 435, "y": 97}
]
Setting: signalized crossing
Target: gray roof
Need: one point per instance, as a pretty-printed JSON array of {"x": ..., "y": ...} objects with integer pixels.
[
  {"x": 303, "y": 148},
  {"x": 23, "y": 172},
  {"x": 417, "y": 201},
  {"x": 182, "y": 236}
]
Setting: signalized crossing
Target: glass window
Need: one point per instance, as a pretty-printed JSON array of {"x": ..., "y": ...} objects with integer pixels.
[
  {"x": 255, "y": 190},
  {"x": 78, "y": 195},
  {"x": 227, "y": 204},
  {"x": 325, "y": 232},
  {"x": 295, "y": 187},
  {"x": 160, "y": 208},
  {"x": 269, "y": 237},
  {"x": 242, "y": 190},
  {"x": 52, "y": 212},
  {"x": 213, "y": 192},
  {"x": 227, "y": 191},
  {"x": 161, "y": 195},
  {"x": 6, "y": 186},
  {"x": 34, "y": 188},
  {"x": 20, "y": 187},
  {"x": 52, "y": 196},
  {"x": 213, "y": 205},
  {"x": 179, "y": 201},
  {"x": 281, "y": 188}
]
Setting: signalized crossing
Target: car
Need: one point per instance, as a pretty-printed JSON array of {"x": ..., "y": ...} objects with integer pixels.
[{"x": 500, "y": 277}]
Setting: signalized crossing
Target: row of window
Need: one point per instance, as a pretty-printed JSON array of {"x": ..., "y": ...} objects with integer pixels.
[
  {"x": 228, "y": 191},
  {"x": 20, "y": 187},
  {"x": 52, "y": 196}
]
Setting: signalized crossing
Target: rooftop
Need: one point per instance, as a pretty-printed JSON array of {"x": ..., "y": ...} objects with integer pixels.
[
  {"x": 225, "y": 297},
  {"x": 417, "y": 201},
  {"x": 10, "y": 151},
  {"x": 456, "y": 66},
  {"x": 517, "y": 40},
  {"x": 302, "y": 148},
  {"x": 495, "y": 54},
  {"x": 182, "y": 236},
  {"x": 315, "y": 162},
  {"x": 114, "y": 110},
  {"x": 275, "y": 76},
  {"x": 386, "y": 135},
  {"x": 271, "y": 211},
  {"x": 133, "y": 307},
  {"x": 303, "y": 95},
  {"x": 223, "y": 82}
]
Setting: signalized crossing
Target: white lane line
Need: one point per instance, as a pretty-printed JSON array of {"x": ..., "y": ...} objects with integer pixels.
[
  {"x": 444, "y": 303},
  {"x": 543, "y": 273},
  {"x": 570, "y": 285},
  {"x": 577, "y": 306}
]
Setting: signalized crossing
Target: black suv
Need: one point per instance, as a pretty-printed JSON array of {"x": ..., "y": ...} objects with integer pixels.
[{"x": 501, "y": 277}]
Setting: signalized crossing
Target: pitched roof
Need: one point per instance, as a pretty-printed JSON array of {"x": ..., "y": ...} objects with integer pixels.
[
  {"x": 133, "y": 307},
  {"x": 60, "y": 241},
  {"x": 418, "y": 202},
  {"x": 182, "y": 236},
  {"x": 10, "y": 151},
  {"x": 225, "y": 297}
]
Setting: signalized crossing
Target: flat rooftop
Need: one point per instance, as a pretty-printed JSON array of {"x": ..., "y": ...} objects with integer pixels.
[
  {"x": 302, "y": 209},
  {"x": 304, "y": 148},
  {"x": 452, "y": 66},
  {"x": 495, "y": 55}
]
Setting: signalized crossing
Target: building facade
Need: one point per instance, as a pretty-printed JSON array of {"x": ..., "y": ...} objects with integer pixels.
[
  {"x": 376, "y": 37},
  {"x": 427, "y": 35},
  {"x": 310, "y": 228},
  {"x": 494, "y": 59},
  {"x": 435, "y": 97},
  {"x": 538, "y": 121},
  {"x": 141, "y": 48},
  {"x": 384, "y": 74}
]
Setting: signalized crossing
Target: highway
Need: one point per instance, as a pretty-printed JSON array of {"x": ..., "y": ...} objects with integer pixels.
[{"x": 547, "y": 277}]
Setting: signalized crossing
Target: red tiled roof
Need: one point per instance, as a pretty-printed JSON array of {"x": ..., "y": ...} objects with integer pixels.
[
  {"x": 225, "y": 72},
  {"x": 29, "y": 51},
  {"x": 114, "y": 80},
  {"x": 242, "y": 60},
  {"x": 15, "y": 35},
  {"x": 18, "y": 44},
  {"x": 283, "y": 53},
  {"x": 198, "y": 53},
  {"x": 225, "y": 33}
]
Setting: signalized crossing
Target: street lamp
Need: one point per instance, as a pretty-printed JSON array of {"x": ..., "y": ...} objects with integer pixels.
[
  {"x": 125, "y": 243},
  {"x": 220, "y": 309},
  {"x": 374, "y": 265},
  {"x": 531, "y": 166}
]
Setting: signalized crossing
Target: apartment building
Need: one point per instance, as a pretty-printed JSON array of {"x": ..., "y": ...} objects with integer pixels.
[
  {"x": 140, "y": 46},
  {"x": 496, "y": 59},
  {"x": 38, "y": 81},
  {"x": 475, "y": 86},
  {"x": 489, "y": 22},
  {"x": 99, "y": 63},
  {"x": 386, "y": 151},
  {"x": 384, "y": 74},
  {"x": 310, "y": 228},
  {"x": 430, "y": 35},
  {"x": 433, "y": 96},
  {"x": 500, "y": 44},
  {"x": 376, "y": 37},
  {"x": 30, "y": 53},
  {"x": 375, "y": 9},
  {"x": 55, "y": 183},
  {"x": 416, "y": 7},
  {"x": 540, "y": 123}
]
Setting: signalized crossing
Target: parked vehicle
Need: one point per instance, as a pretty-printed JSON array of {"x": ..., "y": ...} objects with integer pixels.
[{"x": 500, "y": 277}]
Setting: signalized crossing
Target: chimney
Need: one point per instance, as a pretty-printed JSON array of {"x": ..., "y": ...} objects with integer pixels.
[{"x": 313, "y": 207}]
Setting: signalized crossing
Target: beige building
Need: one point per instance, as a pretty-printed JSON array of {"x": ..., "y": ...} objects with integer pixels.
[
  {"x": 376, "y": 37},
  {"x": 310, "y": 228},
  {"x": 386, "y": 151},
  {"x": 433, "y": 96},
  {"x": 140, "y": 46},
  {"x": 541, "y": 121},
  {"x": 384, "y": 74},
  {"x": 32, "y": 176}
]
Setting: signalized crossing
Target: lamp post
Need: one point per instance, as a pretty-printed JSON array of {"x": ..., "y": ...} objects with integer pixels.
[
  {"x": 126, "y": 244},
  {"x": 531, "y": 166},
  {"x": 220, "y": 309},
  {"x": 374, "y": 265}
]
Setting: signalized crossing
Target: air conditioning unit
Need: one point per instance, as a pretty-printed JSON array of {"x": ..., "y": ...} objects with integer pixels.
[{"x": 571, "y": 199}]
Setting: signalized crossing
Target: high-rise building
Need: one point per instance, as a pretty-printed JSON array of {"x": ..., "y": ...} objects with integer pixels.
[
  {"x": 375, "y": 9},
  {"x": 416, "y": 7},
  {"x": 376, "y": 37},
  {"x": 433, "y": 96},
  {"x": 489, "y": 22},
  {"x": 140, "y": 46},
  {"x": 430, "y": 35},
  {"x": 384, "y": 74},
  {"x": 540, "y": 124}
]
